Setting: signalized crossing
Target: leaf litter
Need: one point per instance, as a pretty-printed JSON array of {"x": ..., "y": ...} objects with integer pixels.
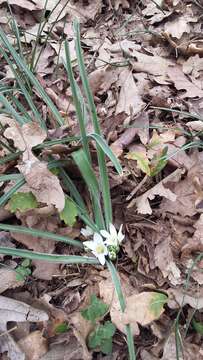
[{"x": 138, "y": 55}]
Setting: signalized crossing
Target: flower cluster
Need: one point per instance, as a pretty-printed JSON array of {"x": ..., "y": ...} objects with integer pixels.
[{"x": 104, "y": 243}]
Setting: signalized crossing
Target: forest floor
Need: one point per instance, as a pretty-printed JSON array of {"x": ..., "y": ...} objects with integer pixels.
[{"x": 144, "y": 61}]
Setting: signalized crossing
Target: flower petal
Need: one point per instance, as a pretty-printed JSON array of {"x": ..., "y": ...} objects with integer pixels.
[
  {"x": 112, "y": 230},
  {"x": 97, "y": 238},
  {"x": 104, "y": 233},
  {"x": 101, "y": 259},
  {"x": 89, "y": 244},
  {"x": 87, "y": 231}
]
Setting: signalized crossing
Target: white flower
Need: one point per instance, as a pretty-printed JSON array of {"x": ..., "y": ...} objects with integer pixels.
[
  {"x": 87, "y": 231},
  {"x": 97, "y": 247},
  {"x": 112, "y": 237}
]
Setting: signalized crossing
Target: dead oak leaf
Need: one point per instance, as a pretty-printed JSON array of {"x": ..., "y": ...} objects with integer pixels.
[
  {"x": 129, "y": 100},
  {"x": 181, "y": 82},
  {"x": 142, "y": 202},
  {"x": 163, "y": 258},
  {"x": 26, "y": 136},
  {"x": 42, "y": 183},
  {"x": 180, "y": 25}
]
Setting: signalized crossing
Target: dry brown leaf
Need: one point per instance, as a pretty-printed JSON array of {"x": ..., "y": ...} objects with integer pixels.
[
  {"x": 150, "y": 64},
  {"x": 125, "y": 139},
  {"x": 45, "y": 63},
  {"x": 193, "y": 66},
  {"x": 154, "y": 13},
  {"x": 196, "y": 125},
  {"x": 130, "y": 101},
  {"x": 26, "y": 136},
  {"x": 178, "y": 297},
  {"x": 26, "y": 4},
  {"x": 34, "y": 345},
  {"x": 8, "y": 279},
  {"x": 163, "y": 258},
  {"x": 44, "y": 270},
  {"x": 142, "y": 202},
  {"x": 190, "y": 351},
  {"x": 107, "y": 292},
  {"x": 123, "y": 3},
  {"x": 9, "y": 346},
  {"x": 181, "y": 82},
  {"x": 13, "y": 310},
  {"x": 180, "y": 25},
  {"x": 43, "y": 183},
  {"x": 81, "y": 10},
  {"x": 104, "y": 56},
  {"x": 139, "y": 308}
]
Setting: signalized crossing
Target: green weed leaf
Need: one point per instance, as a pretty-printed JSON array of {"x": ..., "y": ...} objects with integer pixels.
[
  {"x": 22, "y": 201},
  {"x": 61, "y": 328},
  {"x": 69, "y": 213},
  {"x": 142, "y": 161},
  {"x": 156, "y": 303},
  {"x": 101, "y": 337},
  {"x": 198, "y": 326},
  {"x": 95, "y": 310}
]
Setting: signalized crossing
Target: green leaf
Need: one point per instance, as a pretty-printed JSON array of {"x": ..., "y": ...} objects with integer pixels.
[
  {"x": 95, "y": 310},
  {"x": 62, "y": 328},
  {"x": 158, "y": 162},
  {"x": 198, "y": 326},
  {"x": 107, "y": 150},
  {"x": 69, "y": 213},
  {"x": 22, "y": 201},
  {"x": 142, "y": 161},
  {"x": 102, "y": 337},
  {"x": 156, "y": 303},
  {"x": 22, "y": 273}
]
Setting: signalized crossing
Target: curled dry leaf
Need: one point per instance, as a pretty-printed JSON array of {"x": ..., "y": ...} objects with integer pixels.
[{"x": 142, "y": 202}]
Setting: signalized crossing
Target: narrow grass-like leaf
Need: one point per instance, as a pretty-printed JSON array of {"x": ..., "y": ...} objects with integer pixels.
[
  {"x": 117, "y": 284},
  {"x": 86, "y": 170},
  {"x": 9, "y": 177},
  {"x": 20, "y": 119},
  {"x": 10, "y": 157},
  {"x": 76, "y": 100},
  {"x": 184, "y": 113},
  {"x": 82, "y": 210},
  {"x": 24, "y": 68},
  {"x": 42, "y": 234},
  {"x": 60, "y": 259},
  {"x": 88, "y": 175},
  {"x": 49, "y": 33},
  {"x": 107, "y": 150},
  {"x": 4, "y": 198},
  {"x": 92, "y": 109},
  {"x": 24, "y": 90},
  {"x": 49, "y": 143}
]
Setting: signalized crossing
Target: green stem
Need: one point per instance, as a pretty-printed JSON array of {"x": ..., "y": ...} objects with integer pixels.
[{"x": 117, "y": 284}]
